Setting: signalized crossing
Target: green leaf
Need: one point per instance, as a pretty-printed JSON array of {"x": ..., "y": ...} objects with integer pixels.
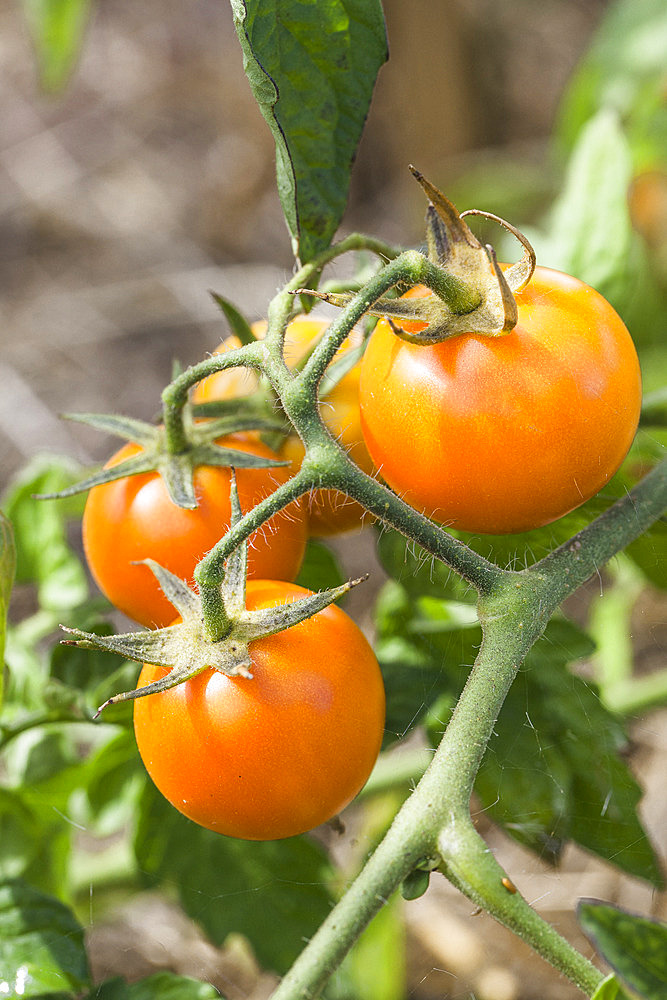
[
  {"x": 40, "y": 529},
  {"x": 623, "y": 70},
  {"x": 635, "y": 947},
  {"x": 57, "y": 28},
  {"x": 423, "y": 668},
  {"x": 590, "y": 235},
  {"x": 276, "y": 893},
  {"x": 312, "y": 68},
  {"x": 237, "y": 321},
  {"x": 649, "y": 552},
  {"x": 34, "y": 842},
  {"x": 115, "y": 779},
  {"x": 416, "y": 571},
  {"x": 7, "y": 571},
  {"x": 38, "y": 754},
  {"x": 41, "y": 944},
  {"x": 610, "y": 989},
  {"x": 161, "y": 986},
  {"x": 554, "y": 770},
  {"x": 320, "y": 569}
]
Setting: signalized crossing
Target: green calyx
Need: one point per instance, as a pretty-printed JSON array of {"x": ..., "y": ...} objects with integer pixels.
[
  {"x": 187, "y": 648},
  {"x": 177, "y": 467},
  {"x": 469, "y": 291}
]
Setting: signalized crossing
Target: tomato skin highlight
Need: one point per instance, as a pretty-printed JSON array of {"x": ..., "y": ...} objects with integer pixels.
[
  {"x": 133, "y": 518},
  {"x": 509, "y": 433},
  {"x": 330, "y": 512},
  {"x": 277, "y": 754}
]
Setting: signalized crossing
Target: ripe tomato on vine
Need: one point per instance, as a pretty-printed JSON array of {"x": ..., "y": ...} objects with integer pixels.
[
  {"x": 330, "y": 512},
  {"x": 506, "y": 433},
  {"x": 278, "y": 753},
  {"x": 133, "y": 518}
]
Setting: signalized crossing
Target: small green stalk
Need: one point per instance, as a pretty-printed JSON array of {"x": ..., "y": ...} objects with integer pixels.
[
  {"x": 217, "y": 623},
  {"x": 476, "y": 873},
  {"x": 210, "y": 571}
]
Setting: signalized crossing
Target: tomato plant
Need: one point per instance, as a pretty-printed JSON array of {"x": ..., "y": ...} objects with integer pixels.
[
  {"x": 508, "y": 433},
  {"x": 133, "y": 518},
  {"x": 262, "y": 718},
  {"x": 276, "y": 754},
  {"x": 330, "y": 512}
]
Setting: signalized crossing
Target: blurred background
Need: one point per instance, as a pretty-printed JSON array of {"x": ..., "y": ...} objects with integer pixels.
[{"x": 150, "y": 179}]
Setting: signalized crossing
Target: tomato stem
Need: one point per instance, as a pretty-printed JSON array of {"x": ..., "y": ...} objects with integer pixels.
[
  {"x": 217, "y": 622},
  {"x": 435, "y": 819}
]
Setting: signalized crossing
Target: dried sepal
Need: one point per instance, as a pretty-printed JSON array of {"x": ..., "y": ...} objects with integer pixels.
[
  {"x": 516, "y": 275},
  {"x": 454, "y": 248}
]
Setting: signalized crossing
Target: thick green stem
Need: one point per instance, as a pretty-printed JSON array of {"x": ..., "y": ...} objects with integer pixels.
[
  {"x": 395, "y": 513},
  {"x": 393, "y": 860},
  {"x": 435, "y": 822}
]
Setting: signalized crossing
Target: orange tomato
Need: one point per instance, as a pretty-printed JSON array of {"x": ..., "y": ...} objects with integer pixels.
[
  {"x": 505, "y": 434},
  {"x": 330, "y": 512},
  {"x": 276, "y": 754},
  {"x": 134, "y": 518}
]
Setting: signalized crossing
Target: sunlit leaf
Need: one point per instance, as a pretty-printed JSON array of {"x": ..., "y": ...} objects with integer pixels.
[
  {"x": 40, "y": 528},
  {"x": 57, "y": 28},
  {"x": 312, "y": 68},
  {"x": 375, "y": 967},
  {"x": 635, "y": 947},
  {"x": 623, "y": 70},
  {"x": 610, "y": 989},
  {"x": 41, "y": 944}
]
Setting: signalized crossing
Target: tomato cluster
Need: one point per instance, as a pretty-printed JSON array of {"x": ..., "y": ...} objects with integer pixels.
[{"x": 488, "y": 434}]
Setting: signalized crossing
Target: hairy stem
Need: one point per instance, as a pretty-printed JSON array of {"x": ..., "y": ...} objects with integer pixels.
[
  {"x": 477, "y": 874},
  {"x": 573, "y": 563},
  {"x": 411, "y": 267},
  {"x": 435, "y": 820},
  {"x": 209, "y": 572}
]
